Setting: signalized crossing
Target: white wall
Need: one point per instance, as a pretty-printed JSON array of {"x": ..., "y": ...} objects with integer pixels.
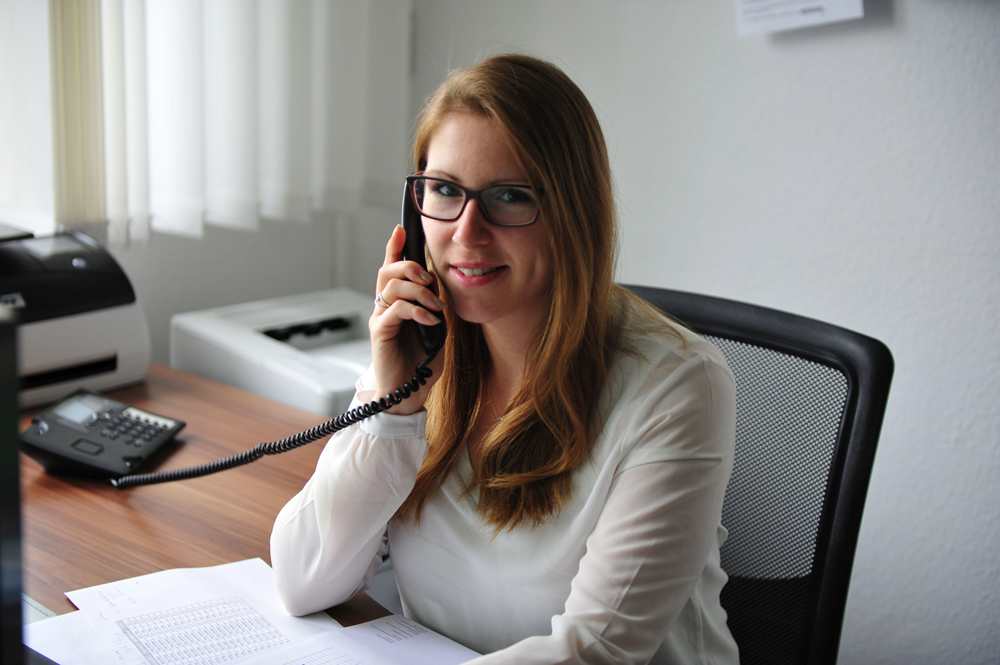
[
  {"x": 850, "y": 173},
  {"x": 26, "y": 164}
]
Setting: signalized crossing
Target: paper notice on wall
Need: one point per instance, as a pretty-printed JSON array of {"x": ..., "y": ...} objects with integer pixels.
[{"x": 756, "y": 16}]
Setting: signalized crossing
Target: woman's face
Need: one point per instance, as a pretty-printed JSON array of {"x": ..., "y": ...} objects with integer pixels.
[{"x": 514, "y": 290}]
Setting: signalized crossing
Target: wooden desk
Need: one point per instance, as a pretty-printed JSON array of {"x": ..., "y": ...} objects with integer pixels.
[{"x": 78, "y": 533}]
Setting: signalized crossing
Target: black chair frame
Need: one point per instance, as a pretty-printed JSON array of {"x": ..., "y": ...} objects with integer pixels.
[{"x": 868, "y": 366}]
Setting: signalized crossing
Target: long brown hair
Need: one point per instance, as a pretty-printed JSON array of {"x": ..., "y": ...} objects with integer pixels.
[{"x": 527, "y": 459}]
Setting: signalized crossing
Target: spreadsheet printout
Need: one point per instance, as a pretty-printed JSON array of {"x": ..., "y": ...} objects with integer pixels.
[
  {"x": 223, "y": 629},
  {"x": 191, "y": 616},
  {"x": 224, "y": 615}
]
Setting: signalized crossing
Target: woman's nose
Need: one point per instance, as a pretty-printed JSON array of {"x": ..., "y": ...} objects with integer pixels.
[{"x": 471, "y": 228}]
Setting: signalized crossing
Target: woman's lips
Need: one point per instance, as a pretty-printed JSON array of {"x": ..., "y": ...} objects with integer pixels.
[
  {"x": 470, "y": 272},
  {"x": 476, "y": 275}
]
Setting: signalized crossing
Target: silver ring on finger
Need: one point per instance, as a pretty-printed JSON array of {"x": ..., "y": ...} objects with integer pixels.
[{"x": 380, "y": 301}]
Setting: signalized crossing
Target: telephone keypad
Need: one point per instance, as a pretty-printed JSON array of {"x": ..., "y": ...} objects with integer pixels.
[{"x": 134, "y": 430}]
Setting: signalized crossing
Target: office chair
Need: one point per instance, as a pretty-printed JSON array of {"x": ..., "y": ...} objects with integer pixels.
[{"x": 810, "y": 398}]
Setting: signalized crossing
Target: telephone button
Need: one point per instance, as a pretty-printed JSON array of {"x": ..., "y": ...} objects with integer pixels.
[{"x": 88, "y": 447}]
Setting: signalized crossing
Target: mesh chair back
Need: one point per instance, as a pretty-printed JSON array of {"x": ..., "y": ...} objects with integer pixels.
[{"x": 810, "y": 400}]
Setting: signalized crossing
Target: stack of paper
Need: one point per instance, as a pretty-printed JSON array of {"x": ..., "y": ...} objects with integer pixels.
[{"x": 228, "y": 614}]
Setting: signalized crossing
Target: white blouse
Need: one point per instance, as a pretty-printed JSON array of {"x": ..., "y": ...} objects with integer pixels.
[{"x": 627, "y": 572}]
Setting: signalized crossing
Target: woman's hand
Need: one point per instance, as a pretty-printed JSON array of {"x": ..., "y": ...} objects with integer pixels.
[{"x": 396, "y": 351}]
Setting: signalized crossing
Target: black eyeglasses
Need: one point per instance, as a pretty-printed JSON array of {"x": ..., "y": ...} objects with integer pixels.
[{"x": 503, "y": 205}]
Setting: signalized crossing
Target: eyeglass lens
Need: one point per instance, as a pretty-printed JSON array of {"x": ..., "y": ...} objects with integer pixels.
[{"x": 507, "y": 205}]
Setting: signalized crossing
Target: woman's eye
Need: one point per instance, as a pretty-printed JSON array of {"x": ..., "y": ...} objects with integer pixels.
[
  {"x": 445, "y": 189},
  {"x": 513, "y": 196}
]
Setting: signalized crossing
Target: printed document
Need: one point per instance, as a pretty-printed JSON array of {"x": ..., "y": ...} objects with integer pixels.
[
  {"x": 183, "y": 617},
  {"x": 229, "y": 614},
  {"x": 391, "y": 640}
]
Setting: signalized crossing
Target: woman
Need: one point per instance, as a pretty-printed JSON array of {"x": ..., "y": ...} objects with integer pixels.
[{"x": 556, "y": 497}]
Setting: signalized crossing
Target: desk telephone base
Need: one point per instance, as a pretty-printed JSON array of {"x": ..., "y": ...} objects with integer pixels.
[{"x": 93, "y": 436}]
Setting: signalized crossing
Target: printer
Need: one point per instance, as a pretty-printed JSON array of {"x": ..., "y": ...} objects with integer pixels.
[
  {"x": 80, "y": 324},
  {"x": 306, "y": 350}
]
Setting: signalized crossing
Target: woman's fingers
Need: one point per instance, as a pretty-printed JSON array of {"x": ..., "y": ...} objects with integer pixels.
[
  {"x": 404, "y": 280},
  {"x": 394, "y": 267},
  {"x": 407, "y": 271},
  {"x": 402, "y": 289},
  {"x": 386, "y": 323},
  {"x": 404, "y": 292},
  {"x": 394, "y": 248}
]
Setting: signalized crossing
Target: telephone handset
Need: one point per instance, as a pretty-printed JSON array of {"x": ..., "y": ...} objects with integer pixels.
[{"x": 431, "y": 337}]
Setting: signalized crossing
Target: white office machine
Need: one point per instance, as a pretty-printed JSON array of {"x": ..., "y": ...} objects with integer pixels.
[
  {"x": 306, "y": 350},
  {"x": 80, "y": 323}
]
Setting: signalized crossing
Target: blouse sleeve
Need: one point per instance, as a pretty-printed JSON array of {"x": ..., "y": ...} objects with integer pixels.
[
  {"x": 328, "y": 540},
  {"x": 658, "y": 528}
]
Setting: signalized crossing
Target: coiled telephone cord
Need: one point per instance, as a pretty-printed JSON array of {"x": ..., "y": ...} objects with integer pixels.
[{"x": 342, "y": 421}]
